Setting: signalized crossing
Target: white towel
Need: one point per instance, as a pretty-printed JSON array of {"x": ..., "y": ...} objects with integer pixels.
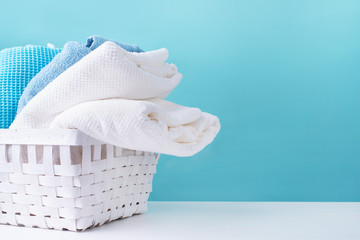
[
  {"x": 154, "y": 125},
  {"x": 116, "y": 96},
  {"x": 107, "y": 72}
]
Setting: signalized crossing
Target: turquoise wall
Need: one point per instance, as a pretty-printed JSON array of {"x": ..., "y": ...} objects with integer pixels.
[{"x": 283, "y": 77}]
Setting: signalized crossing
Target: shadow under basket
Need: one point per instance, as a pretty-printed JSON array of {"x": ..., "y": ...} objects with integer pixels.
[{"x": 67, "y": 180}]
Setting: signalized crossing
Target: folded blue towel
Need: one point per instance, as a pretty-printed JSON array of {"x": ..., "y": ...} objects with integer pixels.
[
  {"x": 71, "y": 54},
  {"x": 95, "y": 41},
  {"x": 18, "y": 66}
]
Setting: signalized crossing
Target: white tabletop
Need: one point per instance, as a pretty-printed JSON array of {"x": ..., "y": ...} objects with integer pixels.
[{"x": 219, "y": 220}]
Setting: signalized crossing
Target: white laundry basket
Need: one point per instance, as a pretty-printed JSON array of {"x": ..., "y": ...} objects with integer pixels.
[{"x": 66, "y": 180}]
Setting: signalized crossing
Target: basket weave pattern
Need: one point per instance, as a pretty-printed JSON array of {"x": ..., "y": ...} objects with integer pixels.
[{"x": 72, "y": 187}]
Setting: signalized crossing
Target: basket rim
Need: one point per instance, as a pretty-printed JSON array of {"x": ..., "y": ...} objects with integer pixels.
[{"x": 46, "y": 136}]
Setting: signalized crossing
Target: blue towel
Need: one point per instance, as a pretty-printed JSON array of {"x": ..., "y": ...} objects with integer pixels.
[
  {"x": 71, "y": 54},
  {"x": 18, "y": 66},
  {"x": 94, "y": 42}
]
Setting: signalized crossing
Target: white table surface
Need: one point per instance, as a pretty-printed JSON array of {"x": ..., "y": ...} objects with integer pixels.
[{"x": 219, "y": 220}]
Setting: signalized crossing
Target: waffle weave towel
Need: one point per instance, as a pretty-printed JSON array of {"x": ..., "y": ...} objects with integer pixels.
[
  {"x": 18, "y": 66},
  {"x": 116, "y": 96},
  {"x": 71, "y": 54},
  {"x": 107, "y": 72},
  {"x": 154, "y": 125}
]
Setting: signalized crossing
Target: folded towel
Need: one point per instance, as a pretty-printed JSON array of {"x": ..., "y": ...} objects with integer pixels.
[
  {"x": 107, "y": 72},
  {"x": 154, "y": 125},
  {"x": 94, "y": 42},
  {"x": 71, "y": 54},
  {"x": 18, "y": 66}
]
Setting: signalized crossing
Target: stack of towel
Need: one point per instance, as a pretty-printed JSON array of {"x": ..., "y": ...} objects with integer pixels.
[{"x": 114, "y": 92}]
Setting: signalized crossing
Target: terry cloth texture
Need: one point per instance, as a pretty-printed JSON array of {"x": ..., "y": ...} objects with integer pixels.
[
  {"x": 18, "y": 66},
  {"x": 94, "y": 42},
  {"x": 71, "y": 54}
]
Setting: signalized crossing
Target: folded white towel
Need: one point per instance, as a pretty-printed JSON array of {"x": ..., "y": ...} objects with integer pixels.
[
  {"x": 107, "y": 72},
  {"x": 154, "y": 125},
  {"x": 116, "y": 96}
]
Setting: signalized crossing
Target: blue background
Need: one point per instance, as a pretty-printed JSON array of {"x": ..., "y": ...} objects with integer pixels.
[{"x": 283, "y": 77}]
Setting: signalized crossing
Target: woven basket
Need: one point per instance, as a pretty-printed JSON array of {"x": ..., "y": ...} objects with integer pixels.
[{"x": 66, "y": 180}]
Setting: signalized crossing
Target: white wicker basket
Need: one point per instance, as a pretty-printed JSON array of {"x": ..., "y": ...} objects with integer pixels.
[{"x": 66, "y": 180}]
